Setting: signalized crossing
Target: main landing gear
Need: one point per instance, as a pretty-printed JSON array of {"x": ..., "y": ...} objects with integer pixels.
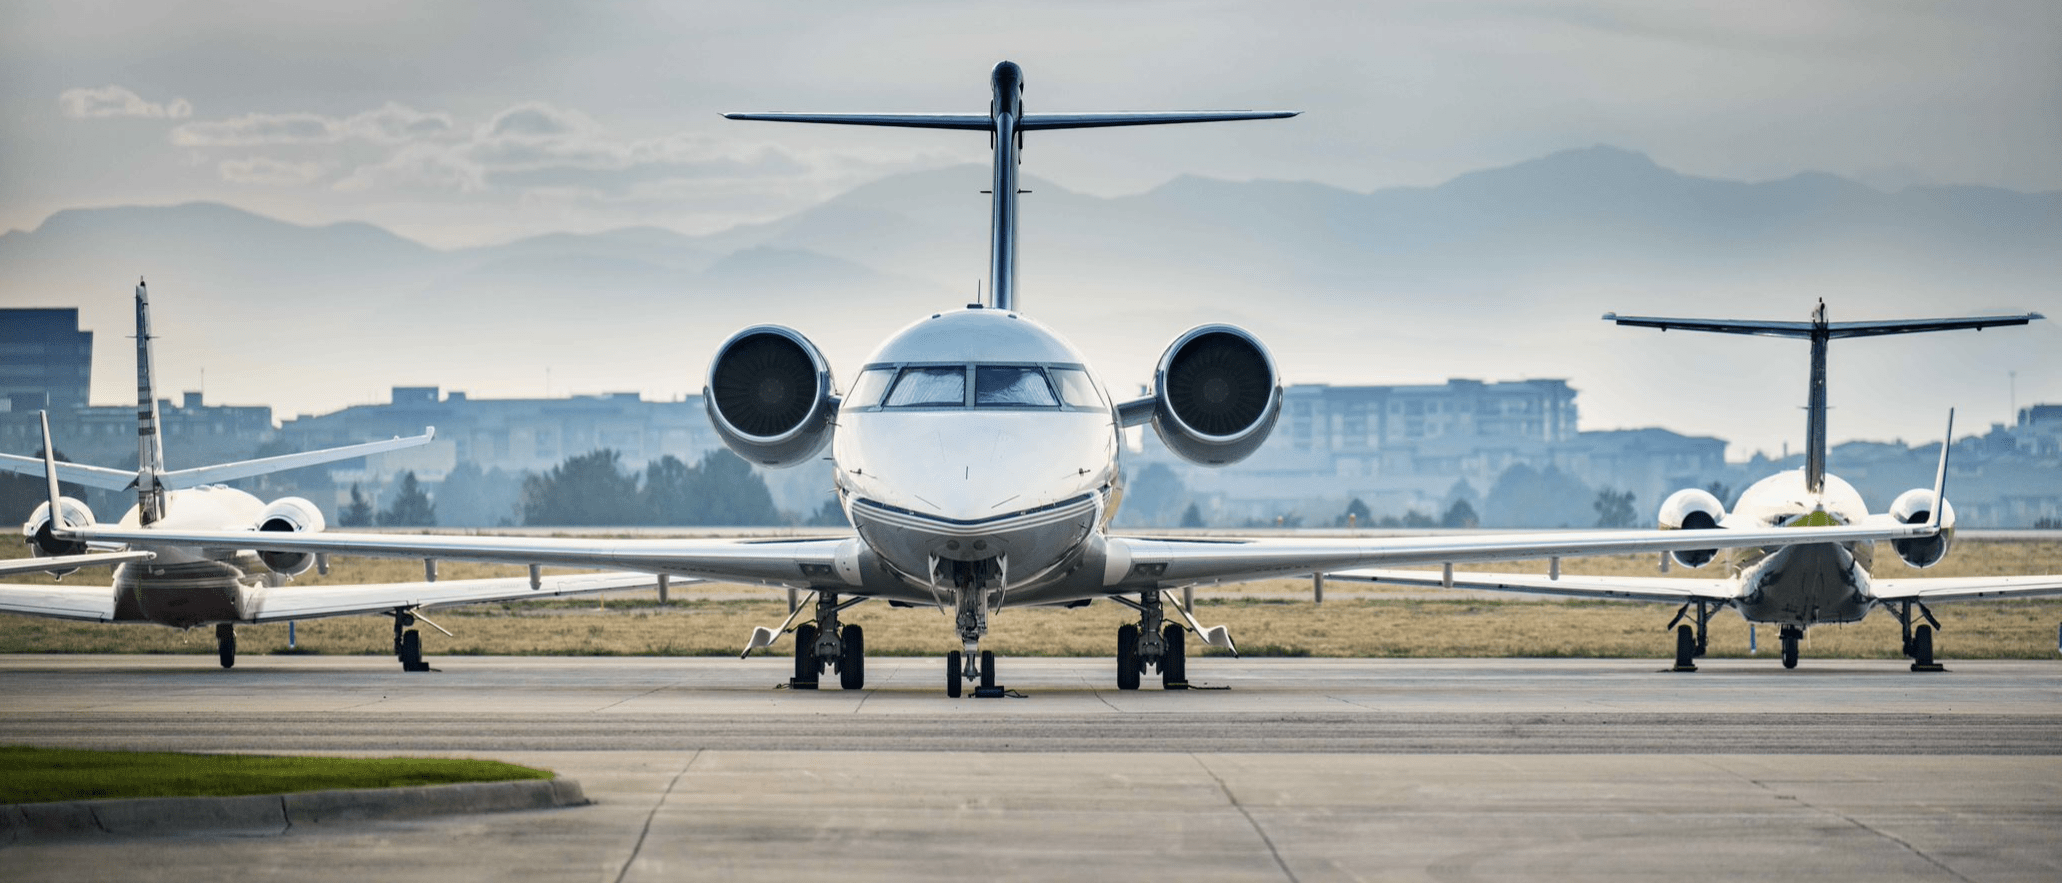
[
  {"x": 408, "y": 641},
  {"x": 1918, "y": 640},
  {"x": 1691, "y": 643},
  {"x": 1153, "y": 643},
  {"x": 826, "y": 642},
  {"x": 225, "y": 643}
]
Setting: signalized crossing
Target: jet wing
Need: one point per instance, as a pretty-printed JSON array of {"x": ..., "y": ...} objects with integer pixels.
[
  {"x": 792, "y": 563},
  {"x": 1616, "y": 588},
  {"x": 1965, "y": 588},
  {"x": 87, "y": 603},
  {"x": 269, "y": 604},
  {"x": 1172, "y": 563},
  {"x": 69, "y": 562}
]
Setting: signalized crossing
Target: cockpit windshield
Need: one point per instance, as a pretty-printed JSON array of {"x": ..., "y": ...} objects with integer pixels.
[
  {"x": 993, "y": 386},
  {"x": 1009, "y": 386}
]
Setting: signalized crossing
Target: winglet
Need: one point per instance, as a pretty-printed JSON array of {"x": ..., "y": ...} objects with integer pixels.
[
  {"x": 57, "y": 523},
  {"x": 1940, "y": 476}
]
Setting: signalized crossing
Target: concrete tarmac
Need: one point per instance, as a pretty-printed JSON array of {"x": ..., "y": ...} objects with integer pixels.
[{"x": 1304, "y": 770}]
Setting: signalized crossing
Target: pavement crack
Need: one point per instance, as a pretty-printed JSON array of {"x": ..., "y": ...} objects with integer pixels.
[
  {"x": 633, "y": 698},
  {"x": 647, "y": 829},
  {"x": 1254, "y": 823},
  {"x": 1857, "y": 823}
]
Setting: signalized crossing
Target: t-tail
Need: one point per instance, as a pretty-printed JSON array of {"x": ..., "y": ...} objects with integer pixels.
[
  {"x": 1006, "y": 122},
  {"x": 151, "y": 480},
  {"x": 150, "y": 447},
  {"x": 1820, "y": 332}
]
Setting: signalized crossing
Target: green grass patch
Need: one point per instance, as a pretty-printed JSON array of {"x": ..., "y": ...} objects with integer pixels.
[{"x": 38, "y": 775}]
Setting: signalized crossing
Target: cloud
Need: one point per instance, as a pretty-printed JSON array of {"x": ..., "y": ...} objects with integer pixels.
[
  {"x": 390, "y": 124},
  {"x": 266, "y": 171},
  {"x": 115, "y": 101}
]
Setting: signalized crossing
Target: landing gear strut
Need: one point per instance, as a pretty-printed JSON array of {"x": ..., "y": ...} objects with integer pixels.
[
  {"x": 1153, "y": 642},
  {"x": 1691, "y": 643},
  {"x": 408, "y": 642},
  {"x": 1918, "y": 640},
  {"x": 825, "y": 640},
  {"x": 225, "y": 643},
  {"x": 1790, "y": 635},
  {"x": 971, "y": 584}
]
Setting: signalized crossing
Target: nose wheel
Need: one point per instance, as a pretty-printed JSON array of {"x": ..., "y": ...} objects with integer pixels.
[{"x": 1790, "y": 636}]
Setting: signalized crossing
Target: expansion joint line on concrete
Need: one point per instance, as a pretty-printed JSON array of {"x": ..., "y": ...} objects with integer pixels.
[
  {"x": 1250, "y": 821},
  {"x": 647, "y": 830},
  {"x": 1864, "y": 826}
]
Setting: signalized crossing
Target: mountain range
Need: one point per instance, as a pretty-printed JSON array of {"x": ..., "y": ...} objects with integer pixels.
[{"x": 1496, "y": 274}]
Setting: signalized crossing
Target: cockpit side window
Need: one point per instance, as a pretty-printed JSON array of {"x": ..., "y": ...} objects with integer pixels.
[
  {"x": 1075, "y": 388},
  {"x": 1009, "y": 386},
  {"x": 932, "y": 387},
  {"x": 866, "y": 391}
]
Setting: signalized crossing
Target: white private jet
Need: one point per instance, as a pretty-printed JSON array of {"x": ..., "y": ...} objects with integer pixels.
[
  {"x": 1797, "y": 586},
  {"x": 184, "y": 586},
  {"x": 977, "y": 456}
]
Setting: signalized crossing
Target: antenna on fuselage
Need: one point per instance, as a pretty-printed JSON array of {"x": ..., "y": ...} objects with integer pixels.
[
  {"x": 1006, "y": 123},
  {"x": 1821, "y": 333}
]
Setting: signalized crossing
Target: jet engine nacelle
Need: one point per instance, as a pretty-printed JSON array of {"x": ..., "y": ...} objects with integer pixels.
[
  {"x": 1216, "y": 395},
  {"x": 1692, "y": 509},
  {"x": 770, "y": 396},
  {"x": 293, "y": 515},
  {"x": 37, "y": 529},
  {"x": 1915, "y": 506}
]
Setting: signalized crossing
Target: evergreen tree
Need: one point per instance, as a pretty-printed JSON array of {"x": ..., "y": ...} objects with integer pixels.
[
  {"x": 829, "y": 515},
  {"x": 735, "y": 494},
  {"x": 411, "y": 508},
  {"x": 1356, "y": 514},
  {"x": 672, "y": 493},
  {"x": 1460, "y": 515},
  {"x": 588, "y": 489},
  {"x": 1614, "y": 508},
  {"x": 1192, "y": 516},
  {"x": 359, "y": 513},
  {"x": 1526, "y": 497}
]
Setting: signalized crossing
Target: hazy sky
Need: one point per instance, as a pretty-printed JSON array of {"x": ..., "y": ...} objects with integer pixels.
[
  {"x": 471, "y": 122},
  {"x": 462, "y": 123}
]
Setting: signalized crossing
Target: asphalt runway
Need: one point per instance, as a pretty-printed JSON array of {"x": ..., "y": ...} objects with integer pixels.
[{"x": 1297, "y": 769}]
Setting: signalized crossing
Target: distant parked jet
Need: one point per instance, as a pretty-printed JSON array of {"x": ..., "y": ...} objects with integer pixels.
[
  {"x": 186, "y": 585},
  {"x": 1799, "y": 586}
]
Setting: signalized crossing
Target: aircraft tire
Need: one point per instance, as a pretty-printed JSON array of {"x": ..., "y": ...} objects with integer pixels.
[
  {"x": 1789, "y": 641},
  {"x": 987, "y": 669},
  {"x": 1174, "y": 666},
  {"x": 1922, "y": 645},
  {"x": 806, "y": 666},
  {"x": 1127, "y": 657},
  {"x": 225, "y": 644},
  {"x": 411, "y": 648},
  {"x": 952, "y": 675},
  {"x": 1685, "y": 648},
  {"x": 852, "y": 663}
]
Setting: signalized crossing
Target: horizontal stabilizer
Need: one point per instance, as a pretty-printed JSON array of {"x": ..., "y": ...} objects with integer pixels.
[
  {"x": 1030, "y": 122},
  {"x": 1036, "y": 121},
  {"x": 899, "y": 120},
  {"x": 186, "y": 478},
  {"x": 1833, "y": 330},
  {"x": 68, "y": 563},
  {"x": 72, "y": 473}
]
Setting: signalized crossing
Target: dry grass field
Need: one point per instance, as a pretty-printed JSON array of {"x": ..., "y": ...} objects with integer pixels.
[{"x": 1274, "y": 617}]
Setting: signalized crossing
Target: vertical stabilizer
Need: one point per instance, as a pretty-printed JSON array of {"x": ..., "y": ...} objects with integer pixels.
[
  {"x": 1006, "y": 123},
  {"x": 1821, "y": 333},
  {"x": 150, "y": 448}
]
